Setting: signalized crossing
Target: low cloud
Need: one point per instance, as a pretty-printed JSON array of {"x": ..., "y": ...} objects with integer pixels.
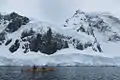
[{"x": 56, "y": 11}]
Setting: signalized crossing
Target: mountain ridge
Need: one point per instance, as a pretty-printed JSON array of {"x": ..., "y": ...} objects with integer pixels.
[{"x": 88, "y": 33}]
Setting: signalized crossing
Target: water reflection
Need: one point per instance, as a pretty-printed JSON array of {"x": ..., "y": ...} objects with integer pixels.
[{"x": 62, "y": 73}]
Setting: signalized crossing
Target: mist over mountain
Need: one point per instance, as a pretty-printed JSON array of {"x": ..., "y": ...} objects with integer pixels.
[{"x": 56, "y": 11}]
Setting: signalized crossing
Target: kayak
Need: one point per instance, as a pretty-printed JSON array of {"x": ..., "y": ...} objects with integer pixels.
[{"x": 40, "y": 70}]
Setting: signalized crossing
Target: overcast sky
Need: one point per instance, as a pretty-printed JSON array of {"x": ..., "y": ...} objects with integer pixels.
[{"x": 56, "y": 11}]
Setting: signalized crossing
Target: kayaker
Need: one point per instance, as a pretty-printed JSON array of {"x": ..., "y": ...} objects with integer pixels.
[
  {"x": 43, "y": 67},
  {"x": 34, "y": 67}
]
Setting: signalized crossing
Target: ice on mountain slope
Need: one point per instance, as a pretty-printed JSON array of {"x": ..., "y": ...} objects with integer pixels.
[
  {"x": 104, "y": 28},
  {"x": 104, "y": 24},
  {"x": 65, "y": 57},
  {"x": 42, "y": 27},
  {"x": 72, "y": 37},
  {"x": 96, "y": 29}
]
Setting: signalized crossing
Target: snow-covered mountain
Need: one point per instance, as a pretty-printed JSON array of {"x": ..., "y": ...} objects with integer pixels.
[
  {"x": 84, "y": 39},
  {"x": 103, "y": 27}
]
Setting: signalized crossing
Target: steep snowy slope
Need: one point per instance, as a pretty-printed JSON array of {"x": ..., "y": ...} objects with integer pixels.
[
  {"x": 85, "y": 39},
  {"x": 104, "y": 28},
  {"x": 22, "y": 33}
]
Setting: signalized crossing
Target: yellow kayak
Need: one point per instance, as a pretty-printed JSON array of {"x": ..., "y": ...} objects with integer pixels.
[{"x": 40, "y": 70}]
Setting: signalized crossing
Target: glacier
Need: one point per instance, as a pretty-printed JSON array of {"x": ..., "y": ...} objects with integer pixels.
[
  {"x": 65, "y": 57},
  {"x": 82, "y": 28}
]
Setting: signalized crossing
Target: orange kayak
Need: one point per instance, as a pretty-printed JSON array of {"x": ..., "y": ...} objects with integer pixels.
[{"x": 40, "y": 70}]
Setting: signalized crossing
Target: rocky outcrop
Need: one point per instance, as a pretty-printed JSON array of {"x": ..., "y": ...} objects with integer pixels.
[
  {"x": 81, "y": 31},
  {"x": 94, "y": 25},
  {"x": 45, "y": 43},
  {"x": 11, "y": 23}
]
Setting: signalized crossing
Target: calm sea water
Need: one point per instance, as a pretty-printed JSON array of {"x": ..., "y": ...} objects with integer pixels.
[{"x": 62, "y": 73}]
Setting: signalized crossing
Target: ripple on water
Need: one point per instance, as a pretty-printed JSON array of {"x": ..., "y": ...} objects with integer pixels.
[{"x": 62, "y": 73}]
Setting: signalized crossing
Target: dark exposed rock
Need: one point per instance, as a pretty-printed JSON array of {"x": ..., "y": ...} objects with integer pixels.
[
  {"x": 88, "y": 44},
  {"x": 49, "y": 35},
  {"x": 114, "y": 37},
  {"x": 49, "y": 48},
  {"x": 8, "y": 42},
  {"x": 99, "y": 48},
  {"x": 27, "y": 33},
  {"x": 66, "y": 45},
  {"x": 47, "y": 43},
  {"x": 13, "y": 26},
  {"x": 25, "y": 47},
  {"x": 35, "y": 43},
  {"x": 2, "y": 38},
  {"x": 81, "y": 29},
  {"x": 16, "y": 21},
  {"x": 94, "y": 49},
  {"x": 15, "y": 46},
  {"x": 80, "y": 46}
]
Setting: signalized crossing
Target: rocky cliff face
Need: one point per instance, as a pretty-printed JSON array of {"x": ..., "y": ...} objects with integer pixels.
[
  {"x": 81, "y": 31},
  {"x": 101, "y": 26},
  {"x": 10, "y": 23},
  {"x": 18, "y": 33}
]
